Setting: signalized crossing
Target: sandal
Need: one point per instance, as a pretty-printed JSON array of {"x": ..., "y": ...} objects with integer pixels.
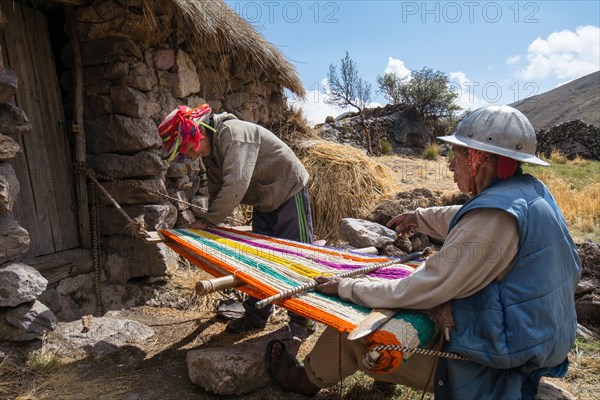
[
  {"x": 281, "y": 368},
  {"x": 287, "y": 371}
]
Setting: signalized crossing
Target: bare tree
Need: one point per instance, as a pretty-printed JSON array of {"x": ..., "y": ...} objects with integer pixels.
[{"x": 349, "y": 89}]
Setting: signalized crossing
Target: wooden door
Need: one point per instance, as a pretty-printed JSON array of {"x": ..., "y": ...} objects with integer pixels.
[{"x": 46, "y": 204}]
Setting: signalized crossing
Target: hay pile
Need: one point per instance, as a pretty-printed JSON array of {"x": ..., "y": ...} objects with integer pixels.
[{"x": 344, "y": 183}]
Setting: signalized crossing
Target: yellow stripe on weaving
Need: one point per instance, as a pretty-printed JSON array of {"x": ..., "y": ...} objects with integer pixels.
[{"x": 294, "y": 266}]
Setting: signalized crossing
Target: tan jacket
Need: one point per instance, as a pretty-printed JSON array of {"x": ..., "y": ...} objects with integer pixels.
[{"x": 249, "y": 165}]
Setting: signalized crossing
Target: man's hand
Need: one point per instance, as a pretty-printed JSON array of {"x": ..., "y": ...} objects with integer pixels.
[
  {"x": 328, "y": 285},
  {"x": 403, "y": 223},
  {"x": 199, "y": 224}
]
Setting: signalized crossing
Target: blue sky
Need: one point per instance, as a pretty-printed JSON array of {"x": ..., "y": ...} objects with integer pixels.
[{"x": 495, "y": 52}]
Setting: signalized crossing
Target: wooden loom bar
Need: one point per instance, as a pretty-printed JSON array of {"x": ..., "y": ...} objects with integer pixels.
[
  {"x": 212, "y": 285},
  {"x": 347, "y": 274}
]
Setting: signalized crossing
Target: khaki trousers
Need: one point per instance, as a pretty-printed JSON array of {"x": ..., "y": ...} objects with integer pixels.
[{"x": 334, "y": 358}]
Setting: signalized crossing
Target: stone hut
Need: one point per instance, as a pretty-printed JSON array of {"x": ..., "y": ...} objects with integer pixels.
[{"x": 83, "y": 86}]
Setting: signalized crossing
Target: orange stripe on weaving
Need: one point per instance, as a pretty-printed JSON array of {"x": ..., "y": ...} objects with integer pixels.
[
  {"x": 199, "y": 262},
  {"x": 248, "y": 279},
  {"x": 349, "y": 256},
  {"x": 204, "y": 266}
]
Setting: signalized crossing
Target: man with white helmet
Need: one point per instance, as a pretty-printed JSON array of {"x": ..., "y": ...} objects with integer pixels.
[{"x": 508, "y": 266}]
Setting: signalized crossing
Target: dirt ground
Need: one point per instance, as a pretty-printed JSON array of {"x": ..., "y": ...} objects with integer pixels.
[{"x": 412, "y": 173}]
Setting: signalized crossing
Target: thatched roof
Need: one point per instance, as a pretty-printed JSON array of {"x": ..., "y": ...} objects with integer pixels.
[{"x": 213, "y": 22}]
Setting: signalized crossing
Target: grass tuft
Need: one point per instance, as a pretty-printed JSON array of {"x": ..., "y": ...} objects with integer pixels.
[{"x": 432, "y": 152}]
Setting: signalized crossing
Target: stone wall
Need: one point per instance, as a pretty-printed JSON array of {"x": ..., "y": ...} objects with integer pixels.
[
  {"x": 133, "y": 76},
  {"x": 399, "y": 125},
  {"x": 572, "y": 138}
]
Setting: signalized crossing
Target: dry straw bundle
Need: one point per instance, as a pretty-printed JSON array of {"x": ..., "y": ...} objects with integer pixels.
[{"x": 344, "y": 183}]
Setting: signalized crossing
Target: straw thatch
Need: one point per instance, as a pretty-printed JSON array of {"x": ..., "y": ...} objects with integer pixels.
[
  {"x": 212, "y": 25},
  {"x": 344, "y": 183}
]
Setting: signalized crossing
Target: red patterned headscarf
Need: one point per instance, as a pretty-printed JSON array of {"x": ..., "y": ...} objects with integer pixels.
[
  {"x": 505, "y": 168},
  {"x": 182, "y": 126}
]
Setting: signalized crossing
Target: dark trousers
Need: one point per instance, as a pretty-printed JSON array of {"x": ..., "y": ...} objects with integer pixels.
[{"x": 293, "y": 221}]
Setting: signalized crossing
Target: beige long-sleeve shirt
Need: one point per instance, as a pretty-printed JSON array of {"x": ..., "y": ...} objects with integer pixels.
[{"x": 481, "y": 247}]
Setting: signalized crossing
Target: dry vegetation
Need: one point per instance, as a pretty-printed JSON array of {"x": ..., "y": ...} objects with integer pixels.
[
  {"x": 345, "y": 183},
  {"x": 575, "y": 184}
]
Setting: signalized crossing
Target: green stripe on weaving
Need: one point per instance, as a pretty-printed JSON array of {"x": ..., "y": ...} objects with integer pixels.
[
  {"x": 419, "y": 320},
  {"x": 302, "y": 221},
  {"x": 239, "y": 257}
]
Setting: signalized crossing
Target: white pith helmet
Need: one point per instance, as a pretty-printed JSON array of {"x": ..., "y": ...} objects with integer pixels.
[{"x": 500, "y": 130}]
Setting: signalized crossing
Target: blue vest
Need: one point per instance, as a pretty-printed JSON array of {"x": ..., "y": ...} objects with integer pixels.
[{"x": 527, "y": 321}]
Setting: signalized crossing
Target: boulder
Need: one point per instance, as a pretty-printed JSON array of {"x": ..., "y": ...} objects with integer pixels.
[
  {"x": 13, "y": 120},
  {"x": 135, "y": 191},
  {"x": 97, "y": 337},
  {"x": 234, "y": 370},
  {"x": 551, "y": 391},
  {"x": 121, "y": 134},
  {"x": 144, "y": 164},
  {"x": 8, "y": 148},
  {"x": 26, "y": 322},
  {"x": 144, "y": 259},
  {"x": 14, "y": 238},
  {"x": 9, "y": 187},
  {"x": 156, "y": 217},
  {"x": 361, "y": 233},
  {"x": 132, "y": 103},
  {"x": 8, "y": 84},
  {"x": 20, "y": 283}
]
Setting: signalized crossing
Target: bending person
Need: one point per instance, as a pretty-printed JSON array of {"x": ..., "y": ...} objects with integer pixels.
[{"x": 245, "y": 164}]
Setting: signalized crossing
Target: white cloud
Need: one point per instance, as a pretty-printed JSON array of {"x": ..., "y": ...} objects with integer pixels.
[
  {"x": 397, "y": 67},
  {"x": 513, "y": 59},
  {"x": 314, "y": 107},
  {"x": 465, "y": 88},
  {"x": 564, "y": 55}
]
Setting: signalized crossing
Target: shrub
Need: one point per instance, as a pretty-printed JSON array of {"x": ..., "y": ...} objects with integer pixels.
[
  {"x": 431, "y": 152},
  {"x": 557, "y": 157},
  {"x": 386, "y": 147}
]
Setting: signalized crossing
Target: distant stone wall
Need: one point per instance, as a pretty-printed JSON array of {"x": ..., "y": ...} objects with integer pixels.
[
  {"x": 397, "y": 124},
  {"x": 572, "y": 138}
]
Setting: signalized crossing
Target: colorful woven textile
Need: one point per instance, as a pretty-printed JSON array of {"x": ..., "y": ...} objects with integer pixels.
[{"x": 269, "y": 266}]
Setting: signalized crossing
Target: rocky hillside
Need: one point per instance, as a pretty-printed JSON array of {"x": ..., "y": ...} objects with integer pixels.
[{"x": 579, "y": 99}]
